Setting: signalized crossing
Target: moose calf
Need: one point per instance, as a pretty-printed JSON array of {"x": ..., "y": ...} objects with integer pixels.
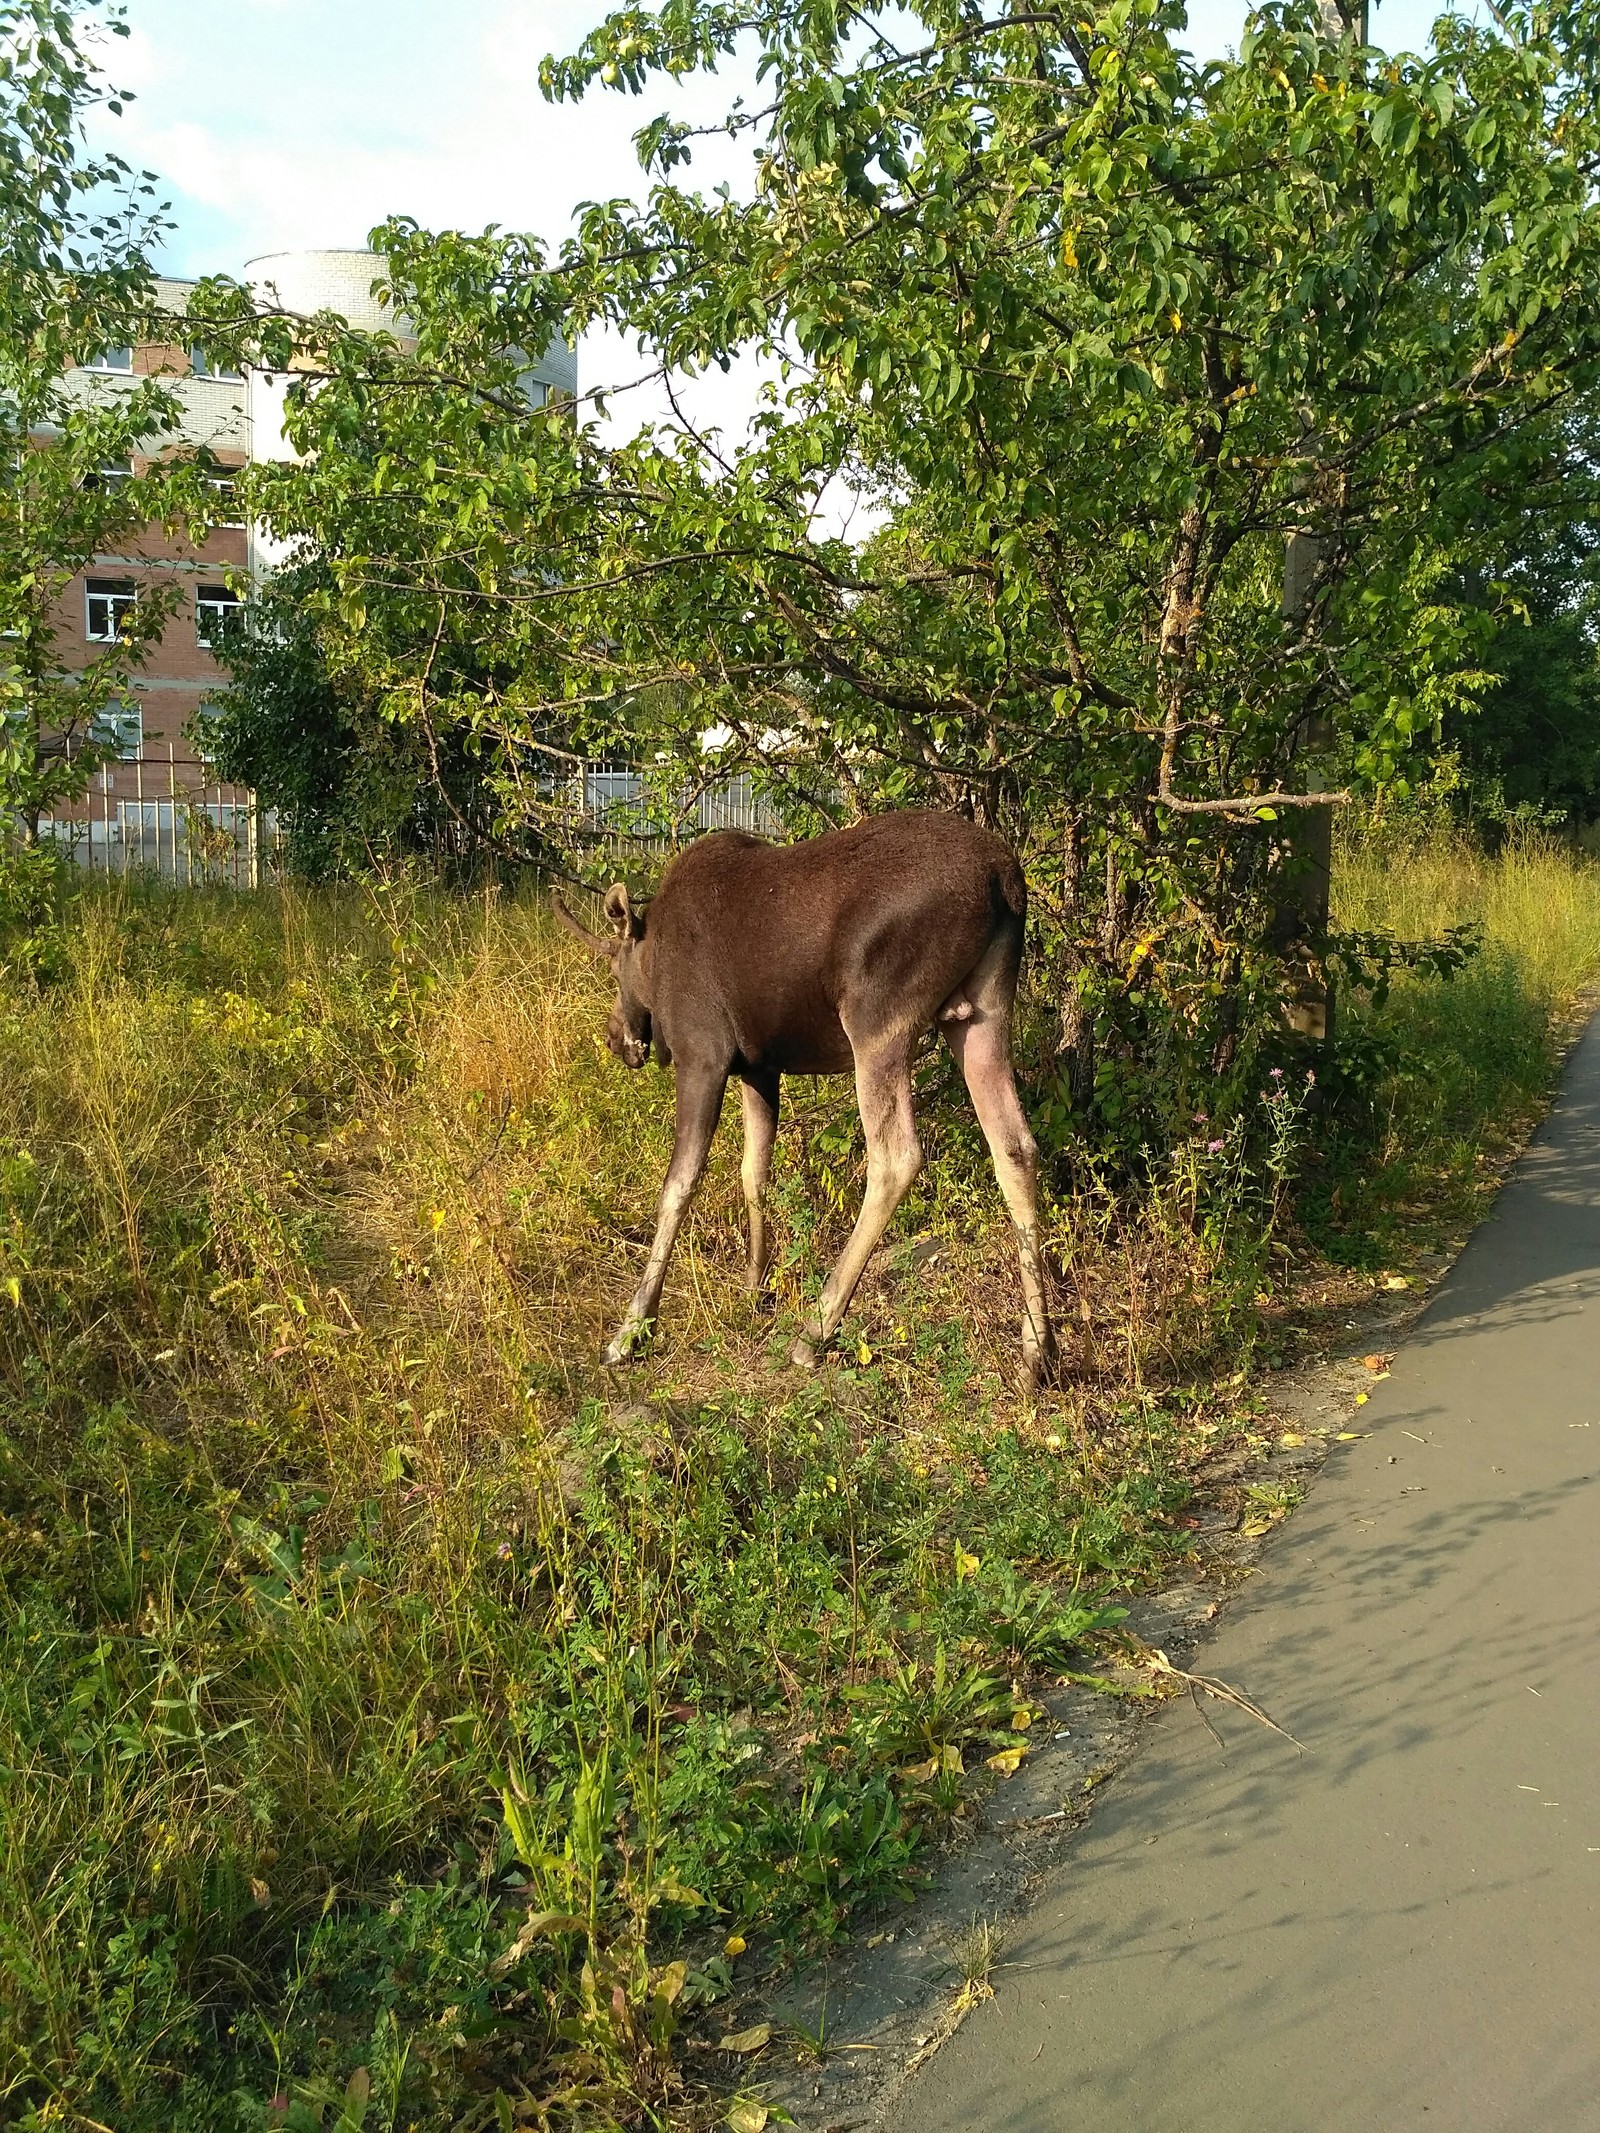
[{"x": 757, "y": 960}]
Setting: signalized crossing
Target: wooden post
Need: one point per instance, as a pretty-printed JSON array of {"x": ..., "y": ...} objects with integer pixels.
[{"x": 1307, "y": 846}]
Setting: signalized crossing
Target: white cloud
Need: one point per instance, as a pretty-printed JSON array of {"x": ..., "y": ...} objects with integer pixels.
[
  {"x": 457, "y": 134},
  {"x": 447, "y": 126},
  {"x": 326, "y": 119}
]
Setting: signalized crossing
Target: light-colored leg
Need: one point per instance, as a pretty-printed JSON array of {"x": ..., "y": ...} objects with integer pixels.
[
  {"x": 760, "y": 1104},
  {"x": 894, "y": 1156},
  {"x": 982, "y": 1047},
  {"x": 699, "y": 1104}
]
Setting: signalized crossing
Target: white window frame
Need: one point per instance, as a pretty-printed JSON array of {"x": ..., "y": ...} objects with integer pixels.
[
  {"x": 210, "y": 610},
  {"x": 202, "y": 366},
  {"x": 119, "y": 729},
  {"x": 121, "y": 596},
  {"x": 102, "y": 361},
  {"x": 226, "y": 484},
  {"x": 137, "y": 819}
]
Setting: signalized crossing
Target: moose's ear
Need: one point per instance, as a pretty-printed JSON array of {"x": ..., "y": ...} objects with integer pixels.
[
  {"x": 595, "y": 942},
  {"x": 619, "y": 910}
]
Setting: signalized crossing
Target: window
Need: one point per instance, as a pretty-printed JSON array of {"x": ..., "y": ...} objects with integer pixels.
[
  {"x": 119, "y": 729},
  {"x": 611, "y": 792},
  {"x": 111, "y": 476},
  {"x": 228, "y": 512},
  {"x": 216, "y": 613},
  {"x": 138, "y": 819},
  {"x": 109, "y": 604},
  {"x": 111, "y": 359},
  {"x": 203, "y": 366}
]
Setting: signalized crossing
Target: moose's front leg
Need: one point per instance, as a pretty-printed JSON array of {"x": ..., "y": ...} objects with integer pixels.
[{"x": 700, "y": 1092}]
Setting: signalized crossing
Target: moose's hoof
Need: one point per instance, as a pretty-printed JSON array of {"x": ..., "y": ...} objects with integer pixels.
[{"x": 804, "y": 1354}]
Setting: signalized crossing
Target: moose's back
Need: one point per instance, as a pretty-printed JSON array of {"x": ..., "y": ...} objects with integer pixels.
[{"x": 780, "y": 947}]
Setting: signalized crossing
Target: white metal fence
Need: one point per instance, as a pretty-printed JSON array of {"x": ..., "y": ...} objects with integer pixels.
[
  {"x": 613, "y": 797},
  {"x": 164, "y": 814}
]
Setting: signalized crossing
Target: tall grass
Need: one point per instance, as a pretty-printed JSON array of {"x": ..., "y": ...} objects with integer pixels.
[
  {"x": 1455, "y": 1072},
  {"x": 350, "y": 1614},
  {"x": 402, "y": 1720}
]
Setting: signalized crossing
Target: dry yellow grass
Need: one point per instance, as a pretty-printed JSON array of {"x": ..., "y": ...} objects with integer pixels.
[{"x": 1537, "y": 901}]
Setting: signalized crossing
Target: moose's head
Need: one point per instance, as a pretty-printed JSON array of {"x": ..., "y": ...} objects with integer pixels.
[{"x": 628, "y": 1029}]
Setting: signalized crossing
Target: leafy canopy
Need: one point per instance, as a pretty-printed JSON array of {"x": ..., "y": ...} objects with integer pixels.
[
  {"x": 1093, "y": 329},
  {"x": 76, "y": 231}
]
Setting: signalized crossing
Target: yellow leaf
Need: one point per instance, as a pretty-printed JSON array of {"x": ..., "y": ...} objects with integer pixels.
[
  {"x": 920, "y": 1773},
  {"x": 950, "y": 1758},
  {"x": 1291, "y": 1438},
  {"x": 670, "y": 1982},
  {"x": 1353, "y": 1436},
  {"x": 966, "y": 1565},
  {"x": 1069, "y": 251},
  {"x": 1253, "y": 1528},
  {"x": 1021, "y": 1718},
  {"x": 748, "y": 2116},
  {"x": 744, "y": 2041},
  {"x": 1395, "y": 1281},
  {"x": 532, "y": 1929},
  {"x": 734, "y": 1944},
  {"x": 863, "y": 1355},
  {"x": 14, "y": 1290},
  {"x": 1008, "y": 1760}
]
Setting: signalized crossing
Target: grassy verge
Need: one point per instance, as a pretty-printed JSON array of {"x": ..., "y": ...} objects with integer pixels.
[
  {"x": 402, "y": 1723},
  {"x": 1450, "y": 1076}
]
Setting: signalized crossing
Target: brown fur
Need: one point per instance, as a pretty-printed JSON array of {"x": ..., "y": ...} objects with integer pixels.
[{"x": 757, "y": 960}]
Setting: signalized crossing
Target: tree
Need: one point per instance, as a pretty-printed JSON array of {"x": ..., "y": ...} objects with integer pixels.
[
  {"x": 75, "y": 279},
  {"x": 350, "y": 788},
  {"x": 1532, "y": 746},
  {"x": 1096, "y": 329}
]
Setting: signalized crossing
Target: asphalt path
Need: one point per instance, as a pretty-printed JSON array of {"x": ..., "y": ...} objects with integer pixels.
[{"x": 1400, "y": 1926}]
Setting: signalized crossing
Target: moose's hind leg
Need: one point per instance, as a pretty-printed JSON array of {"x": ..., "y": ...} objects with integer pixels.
[
  {"x": 699, "y": 1104},
  {"x": 894, "y": 1157},
  {"x": 982, "y": 1047},
  {"x": 759, "y": 1097}
]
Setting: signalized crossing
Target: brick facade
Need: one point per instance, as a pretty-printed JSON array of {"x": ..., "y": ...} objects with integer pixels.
[{"x": 238, "y": 419}]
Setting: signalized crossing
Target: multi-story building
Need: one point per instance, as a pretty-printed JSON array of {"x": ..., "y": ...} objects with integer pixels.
[{"x": 148, "y": 803}]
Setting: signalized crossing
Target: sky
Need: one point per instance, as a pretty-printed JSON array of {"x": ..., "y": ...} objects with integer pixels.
[
  {"x": 280, "y": 124},
  {"x": 276, "y": 125}
]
